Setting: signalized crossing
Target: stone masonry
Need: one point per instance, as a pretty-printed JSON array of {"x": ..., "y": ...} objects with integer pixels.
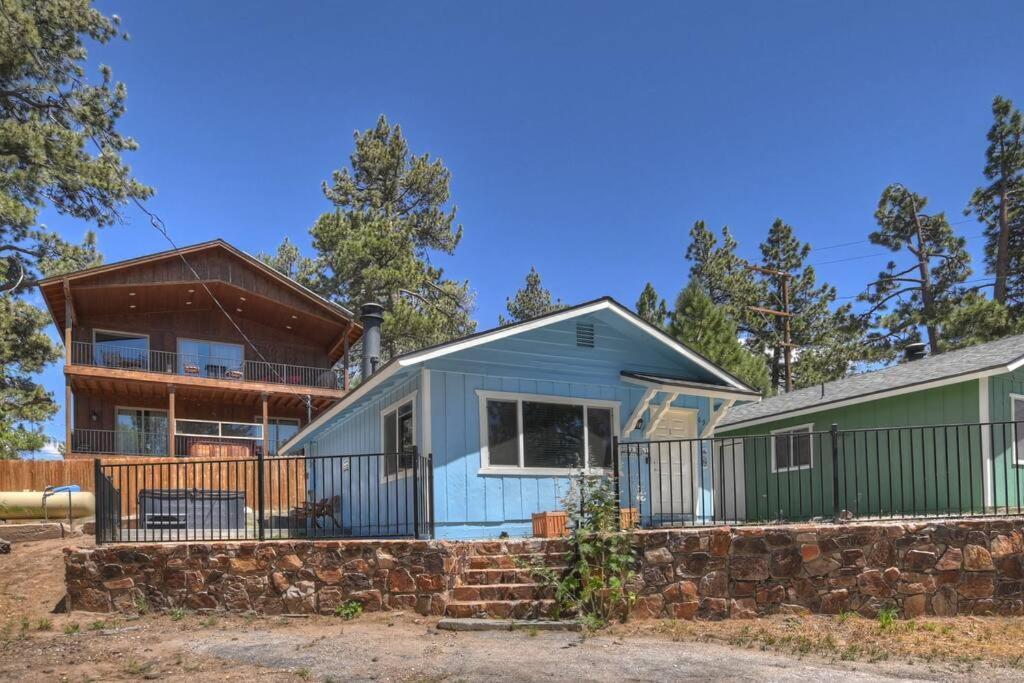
[{"x": 938, "y": 568}]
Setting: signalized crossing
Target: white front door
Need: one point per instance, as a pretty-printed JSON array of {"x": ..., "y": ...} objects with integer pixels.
[{"x": 675, "y": 460}]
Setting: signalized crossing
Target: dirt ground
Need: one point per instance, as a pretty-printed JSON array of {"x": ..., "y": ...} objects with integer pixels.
[{"x": 38, "y": 645}]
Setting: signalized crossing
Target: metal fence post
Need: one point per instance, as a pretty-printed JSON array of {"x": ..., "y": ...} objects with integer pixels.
[
  {"x": 430, "y": 493},
  {"x": 259, "y": 495},
  {"x": 415, "y": 493},
  {"x": 97, "y": 472},
  {"x": 615, "y": 476},
  {"x": 834, "y": 431}
]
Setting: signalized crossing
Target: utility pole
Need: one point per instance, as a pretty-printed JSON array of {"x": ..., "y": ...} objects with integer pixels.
[{"x": 785, "y": 314}]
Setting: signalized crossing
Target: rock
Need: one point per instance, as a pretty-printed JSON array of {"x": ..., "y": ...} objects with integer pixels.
[
  {"x": 789, "y": 608},
  {"x": 977, "y": 559},
  {"x": 976, "y": 585},
  {"x": 289, "y": 563},
  {"x": 658, "y": 556},
  {"x": 244, "y": 565},
  {"x": 834, "y": 602},
  {"x": 330, "y": 575},
  {"x": 892, "y": 575},
  {"x": 1001, "y": 546},
  {"x": 953, "y": 558},
  {"x": 743, "y": 608},
  {"x": 785, "y": 563},
  {"x": 714, "y": 608},
  {"x": 647, "y": 607},
  {"x": 298, "y": 599},
  {"x": 914, "y": 606},
  {"x": 810, "y": 551},
  {"x": 119, "y": 584},
  {"x": 944, "y": 602},
  {"x": 919, "y": 560},
  {"x": 400, "y": 580},
  {"x": 280, "y": 583},
  {"x": 685, "y": 610},
  {"x": 715, "y": 585},
  {"x": 720, "y": 543},
  {"x": 748, "y": 568},
  {"x": 749, "y": 545},
  {"x": 821, "y": 566},
  {"x": 873, "y": 583},
  {"x": 681, "y": 591}
]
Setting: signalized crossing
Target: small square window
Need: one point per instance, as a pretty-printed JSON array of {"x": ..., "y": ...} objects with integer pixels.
[{"x": 791, "y": 449}]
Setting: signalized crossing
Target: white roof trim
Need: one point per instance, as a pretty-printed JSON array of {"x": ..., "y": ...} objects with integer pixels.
[
  {"x": 899, "y": 391},
  {"x": 723, "y": 393},
  {"x": 602, "y": 305},
  {"x": 503, "y": 332}
]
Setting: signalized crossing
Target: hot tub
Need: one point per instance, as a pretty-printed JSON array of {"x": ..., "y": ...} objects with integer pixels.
[{"x": 191, "y": 509}]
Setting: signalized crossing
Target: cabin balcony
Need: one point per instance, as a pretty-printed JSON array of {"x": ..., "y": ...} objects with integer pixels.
[
  {"x": 198, "y": 369},
  {"x": 156, "y": 443}
]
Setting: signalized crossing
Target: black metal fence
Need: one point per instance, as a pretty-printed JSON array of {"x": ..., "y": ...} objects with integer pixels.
[
  {"x": 374, "y": 495},
  {"x": 801, "y": 474}
]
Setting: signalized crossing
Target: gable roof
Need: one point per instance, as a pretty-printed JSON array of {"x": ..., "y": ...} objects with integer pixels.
[
  {"x": 607, "y": 303},
  {"x": 952, "y": 367},
  {"x": 334, "y": 308}
]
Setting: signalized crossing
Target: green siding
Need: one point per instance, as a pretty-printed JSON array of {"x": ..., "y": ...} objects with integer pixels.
[
  {"x": 1008, "y": 475},
  {"x": 899, "y": 471}
]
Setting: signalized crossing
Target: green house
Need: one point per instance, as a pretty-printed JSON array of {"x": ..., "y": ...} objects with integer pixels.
[{"x": 940, "y": 435}]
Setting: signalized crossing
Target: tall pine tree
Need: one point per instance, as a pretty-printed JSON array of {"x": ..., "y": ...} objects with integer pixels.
[
  {"x": 60, "y": 149},
  {"x": 530, "y": 301},
  {"x": 392, "y": 211},
  {"x": 924, "y": 291},
  {"x": 652, "y": 307},
  {"x": 1000, "y": 204},
  {"x": 706, "y": 328}
]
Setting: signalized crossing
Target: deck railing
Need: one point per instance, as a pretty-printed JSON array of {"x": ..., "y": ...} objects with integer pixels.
[
  {"x": 200, "y": 365},
  {"x": 119, "y": 442},
  {"x": 890, "y": 473},
  {"x": 375, "y": 495}
]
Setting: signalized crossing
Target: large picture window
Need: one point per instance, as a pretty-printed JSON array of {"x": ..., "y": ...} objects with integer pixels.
[
  {"x": 544, "y": 434},
  {"x": 792, "y": 449},
  {"x": 120, "y": 350},
  {"x": 219, "y": 360},
  {"x": 398, "y": 436}
]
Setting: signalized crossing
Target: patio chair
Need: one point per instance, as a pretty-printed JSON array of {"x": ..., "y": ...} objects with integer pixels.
[
  {"x": 234, "y": 373},
  {"x": 191, "y": 369}
]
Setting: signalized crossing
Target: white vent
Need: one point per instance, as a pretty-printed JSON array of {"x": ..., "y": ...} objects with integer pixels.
[{"x": 585, "y": 335}]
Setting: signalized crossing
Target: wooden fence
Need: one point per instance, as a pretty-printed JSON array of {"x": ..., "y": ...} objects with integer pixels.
[{"x": 235, "y": 473}]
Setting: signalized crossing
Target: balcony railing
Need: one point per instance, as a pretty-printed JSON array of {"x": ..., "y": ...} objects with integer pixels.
[
  {"x": 154, "y": 443},
  {"x": 199, "y": 365}
]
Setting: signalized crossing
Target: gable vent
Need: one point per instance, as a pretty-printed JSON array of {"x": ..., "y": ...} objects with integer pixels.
[{"x": 585, "y": 335}]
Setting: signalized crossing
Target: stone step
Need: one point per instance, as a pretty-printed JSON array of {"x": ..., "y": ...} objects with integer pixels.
[
  {"x": 501, "y": 609},
  {"x": 522, "y": 561},
  {"x": 507, "y": 591},
  {"x": 478, "y": 577}
]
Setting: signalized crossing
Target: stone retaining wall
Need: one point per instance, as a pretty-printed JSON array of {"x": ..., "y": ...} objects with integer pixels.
[{"x": 940, "y": 568}]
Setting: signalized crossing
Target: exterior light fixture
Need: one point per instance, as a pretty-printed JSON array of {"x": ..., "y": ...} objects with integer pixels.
[{"x": 639, "y": 424}]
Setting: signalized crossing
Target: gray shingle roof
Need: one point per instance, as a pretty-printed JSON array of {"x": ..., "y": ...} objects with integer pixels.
[{"x": 963, "y": 362}]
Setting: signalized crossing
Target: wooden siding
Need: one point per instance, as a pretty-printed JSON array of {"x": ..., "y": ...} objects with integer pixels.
[
  {"x": 923, "y": 467},
  {"x": 1009, "y": 475},
  {"x": 545, "y": 361}
]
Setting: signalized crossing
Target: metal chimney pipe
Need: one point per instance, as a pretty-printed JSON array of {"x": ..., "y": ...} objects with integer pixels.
[{"x": 372, "y": 315}]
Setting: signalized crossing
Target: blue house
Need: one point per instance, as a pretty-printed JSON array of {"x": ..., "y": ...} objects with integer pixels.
[{"x": 490, "y": 426}]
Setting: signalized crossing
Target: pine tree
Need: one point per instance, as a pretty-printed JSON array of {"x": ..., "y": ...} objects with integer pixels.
[
  {"x": 392, "y": 211},
  {"x": 530, "y": 301},
  {"x": 814, "y": 324},
  {"x": 978, "y": 319},
  {"x": 1000, "y": 205},
  {"x": 651, "y": 307},
  {"x": 905, "y": 299},
  {"x": 289, "y": 261},
  {"x": 720, "y": 272},
  {"x": 705, "y": 327},
  {"x": 60, "y": 149}
]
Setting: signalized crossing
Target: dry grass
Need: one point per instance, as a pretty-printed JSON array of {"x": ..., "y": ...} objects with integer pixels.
[{"x": 849, "y": 637}]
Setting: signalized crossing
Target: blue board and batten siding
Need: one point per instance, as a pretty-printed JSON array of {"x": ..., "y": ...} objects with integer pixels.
[{"x": 545, "y": 361}]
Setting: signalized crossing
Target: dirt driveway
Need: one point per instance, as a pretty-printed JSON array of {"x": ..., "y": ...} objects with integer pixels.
[{"x": 36, "y": 645}]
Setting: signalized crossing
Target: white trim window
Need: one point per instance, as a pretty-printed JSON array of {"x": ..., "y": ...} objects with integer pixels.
[
  {"x": 793, "y": 448},
  {"x": 398, "y": 436},
  {"x": 540, "y": 434},
  {"x": 1017, "y": 416}
]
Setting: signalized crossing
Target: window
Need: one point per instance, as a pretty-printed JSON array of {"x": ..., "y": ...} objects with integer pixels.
[
  {"x": 545, "y": 434},
  {"x": 138, "y": 431},
  {"x": 1017, "y": 408},
  {"x": 398, "y": 437},
  {"x": 224, "y": 430},
  {"x": 120, "y": 350},
  {"x": 200, "y": 358},
  {"x": 281, "y": 429},
  {"x": 791, "y": 448}
]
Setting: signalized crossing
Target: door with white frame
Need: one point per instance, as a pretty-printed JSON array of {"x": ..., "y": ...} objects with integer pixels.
[{"x": 680, "y": 469}]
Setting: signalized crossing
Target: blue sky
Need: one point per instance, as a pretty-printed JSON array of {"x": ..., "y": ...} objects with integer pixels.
[{"x": 583, "y": 138}]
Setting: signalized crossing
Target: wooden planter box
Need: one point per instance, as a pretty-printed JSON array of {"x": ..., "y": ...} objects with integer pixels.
[{"x": 555, "y": 524}]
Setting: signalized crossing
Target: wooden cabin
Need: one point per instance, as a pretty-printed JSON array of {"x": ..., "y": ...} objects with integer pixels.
[{"x": 203, "y": 351}]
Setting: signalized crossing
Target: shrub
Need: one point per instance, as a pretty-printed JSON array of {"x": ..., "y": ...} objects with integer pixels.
[
  {"x": 349, "y": 610},
  {"x": 602, "y": 561}
]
